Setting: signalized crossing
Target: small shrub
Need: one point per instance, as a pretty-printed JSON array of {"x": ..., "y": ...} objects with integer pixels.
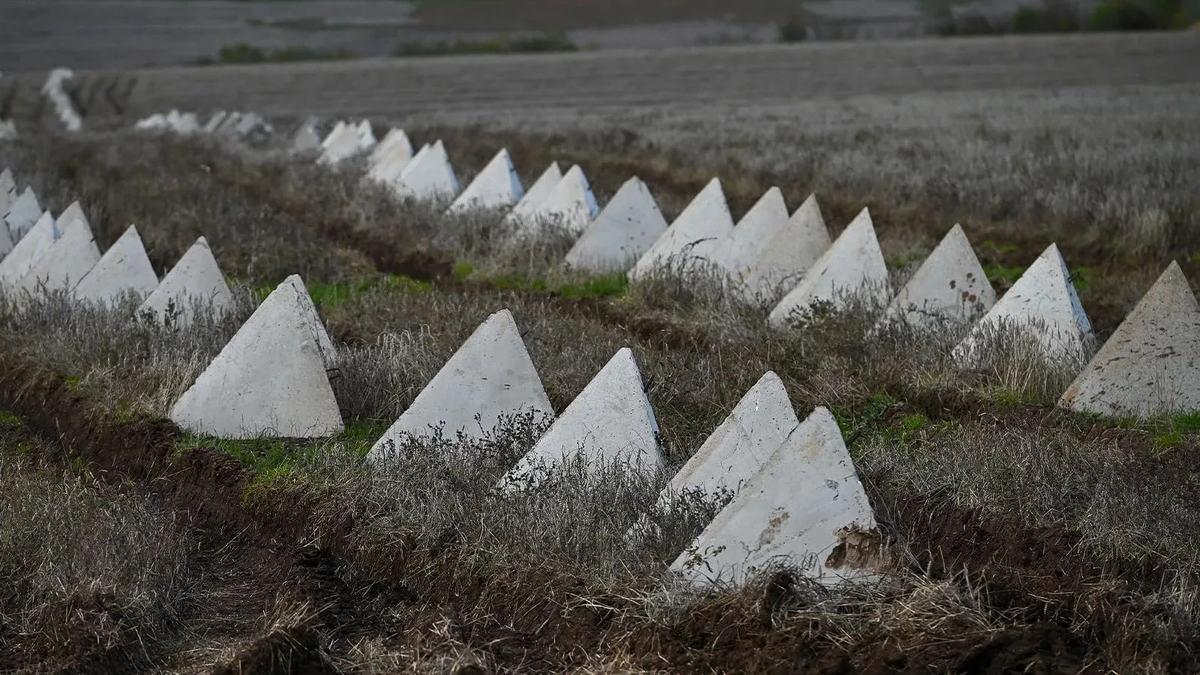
[
  {"x": 795, "y": 29},
  {"x": 546, "y": 42},
  {"x": 1054, "y": 16}
]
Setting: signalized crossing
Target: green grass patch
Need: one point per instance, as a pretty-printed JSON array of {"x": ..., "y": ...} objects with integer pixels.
[
  {"x": 1165, "y": 432},
  {"x": 1083, "y": 277},
  {"x": 998, "y": 273},
  {"x": 463, "y": 270},
  {"x": 606, "y": 286},
  {"x": 331, "y": 295},
  {"x": 546, "y": 42},
  {"x": 8, "y": 419},
  {"x": 245, "y": 53}
]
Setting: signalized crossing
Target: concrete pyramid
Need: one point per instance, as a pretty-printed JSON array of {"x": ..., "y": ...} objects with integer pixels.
[
  {"x": 626, "y": 228},
  {"x": 392, "y": 164},
  {"x": 195, "y": 278},
  {"x": 64, "y": 264},
  {"x": 490, "y": 376},
  {"x": 496, "y": 186},
  {"x": 155, "y": 122},
  {"x": 1042, "y": 303},
  {"x": 791, "y": 512},
  {"x": 571, "y": 204},
  {"x": 395, "y": 139},
  {"x": 8, "y": 191},
  {"x": 22, "y": 214},
  {"x": 269, "y": 380},
  {"x": 853, "y": 264},
  {"x": 789, "y": 253},
  {"x": 753, "y": 234},
  {"x": 70, "y": 214},
  {"x": 123, "y": 270},
  {"x": 694, "y": 234},
  {"x": 528, "y": 206},
  {"x": 307, "y": 139},
  {"x": 737, "y": 449},
  {"x": 950, "y": 284},
  {"x": 8, "y": 130},
  {"x": 319, "y": 334},
  {"x": 341, "y": 144},
  {"x": 366, "y": 136},
  {"x": 187, "y": 124},
  {"x": 1151, "y": 364},
  {"x": 218, "y": 118},
  {"x": 609, "y": 422},
  {"x": 428, "y": 176},
  {"x": 27, "y": 251}
]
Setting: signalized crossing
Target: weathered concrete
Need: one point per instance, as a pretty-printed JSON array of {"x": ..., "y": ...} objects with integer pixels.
[
  {"x": 218, "y": 118},
  {"x": 366, "y": 136},
  {"x": 123, "y": 270},
  {"x": 428, "y": 176},
  {"x": 69, "y": 215},
  {"x": 392, "y": 163},
  {"x": 342, "y": 143},
  {"x": 741, "y": 249},
  {"x": 627, "y": 227},
  {"x": 1151, "y": 364},
  {"x": 528, "y": 206},
  {"x": 307, "y": 138},
  {"x": 62, "y": 266},
  {"x": 27, "y": 251},
  {"x": 788, "y": 254},
  {"x": 790, "y": 512},
  {"x": 609, "y": 423},
  {"x": 194, "y": 279},
  {"x": 949, "y": 286},
  {"x": 693, "y": 236},
  {"x": 8, "y": 191},
  {"x": 490, "y": 377},
  {"x": 852, "y": 267},
  {"x": 269, "y": 380},
  {"x": 186, "y": 124},
  {"x": 497, "y": 186},
  {"x": 739, "y": 448},
  {"x": 1042, "y": 304},
  {"x": 394, "y": 139},
  {"x": 320, "y": 335},
  {"x": 22, "y": 214},
  {"x": 571, "y": 204}
]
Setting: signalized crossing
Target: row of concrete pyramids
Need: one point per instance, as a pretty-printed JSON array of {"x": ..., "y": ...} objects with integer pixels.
[
  {"x": 220, "y": 122},
  {"x": 271, "y": 379},
  {"x": 42, "y": 254}
]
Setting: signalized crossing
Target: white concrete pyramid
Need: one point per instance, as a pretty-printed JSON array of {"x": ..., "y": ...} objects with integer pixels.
[
  {"x": 195, "y": 278},
  {"x": 27, "y": 251},
  {"x": 8, "y": 130},
  {"x": 428, "y": 176},
  {"x": 949, "y": 285},
  {"x": 570, "y": 205},
  {"x": 789, "y": 253},
  {"x": 341, "y": 144},
  {"x": 394, "y": 140},
  {"x": 8, "y": 191},
  {"x": 218, "y": 118},
  {"x": 70, "y": 214},
  {"x": 269, "y": 380},
  {"x": 22, "y": 214},
  {"x": 155, "y": 122},
  {"x": 496, "y": 186},
  {"x": 753, "y": 234},
  {"x": 737, "y": 449},
  {"x": 852, "y": 265},
  {"x": 319, "y": 333},
  {"x": 307, "y": 139},
  {"x": 626, "y": 228},
  {"x": 392, "y": 163},
  {"x": 187, "y": 124},
  {"x": 490, "y": 376},
  {"x": 528, "y": 206},
  {"x": 64, "y": 264},
  {"x": 1042, "y": 303},
  {"x": 789, "y": 512},
  {"x": 609, "y": 422},
  {"x": 366, "y": 136},
  {"x": 694, "y": 234},
  {"x": 123, "y": 270},
  {"x": 1151, "y": 364}
]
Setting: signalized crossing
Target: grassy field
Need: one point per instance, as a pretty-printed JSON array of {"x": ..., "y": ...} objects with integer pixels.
[{"x": 1023, "y": 538}]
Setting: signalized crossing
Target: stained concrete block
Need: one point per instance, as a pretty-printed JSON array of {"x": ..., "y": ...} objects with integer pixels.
[
  {"x": 123, "y": 270},
  {"x": 195, "y": 278},
  {"x": 320, "y": 335},
  {"x": 949, "y": 286},
  {"x": 1041, "y": 304},
  {"x": 366, "y": 135},
  {"x": 744, "y": 442},
  {"x": 394, "y": 142},
  {"x": 610, "y": 422},
  {"x": 742, "y": 247},
  {"x": 497, "y": 186},
  {"x": 626, "y": 228},
  {"x": 22, "y": 214},
  {"x": 27, "y": 251},
  {"x": 693, "y": 236},
  {"x": 428, "y": 176},
  {"x": 490, "y": 376},
  {"x": 1151, "y": 364},
  {"x": 341, "y": 144},
  {"x": 269, "y": 380},
  {"x": 788, "y": 254},
  {"x": 795, "y": 511},
  {"x": 853, "y": 265},
  {"x": 528, "y": 205},
  {"x": 64, "y": 264},
  {"x": 570, "y": 205}
]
